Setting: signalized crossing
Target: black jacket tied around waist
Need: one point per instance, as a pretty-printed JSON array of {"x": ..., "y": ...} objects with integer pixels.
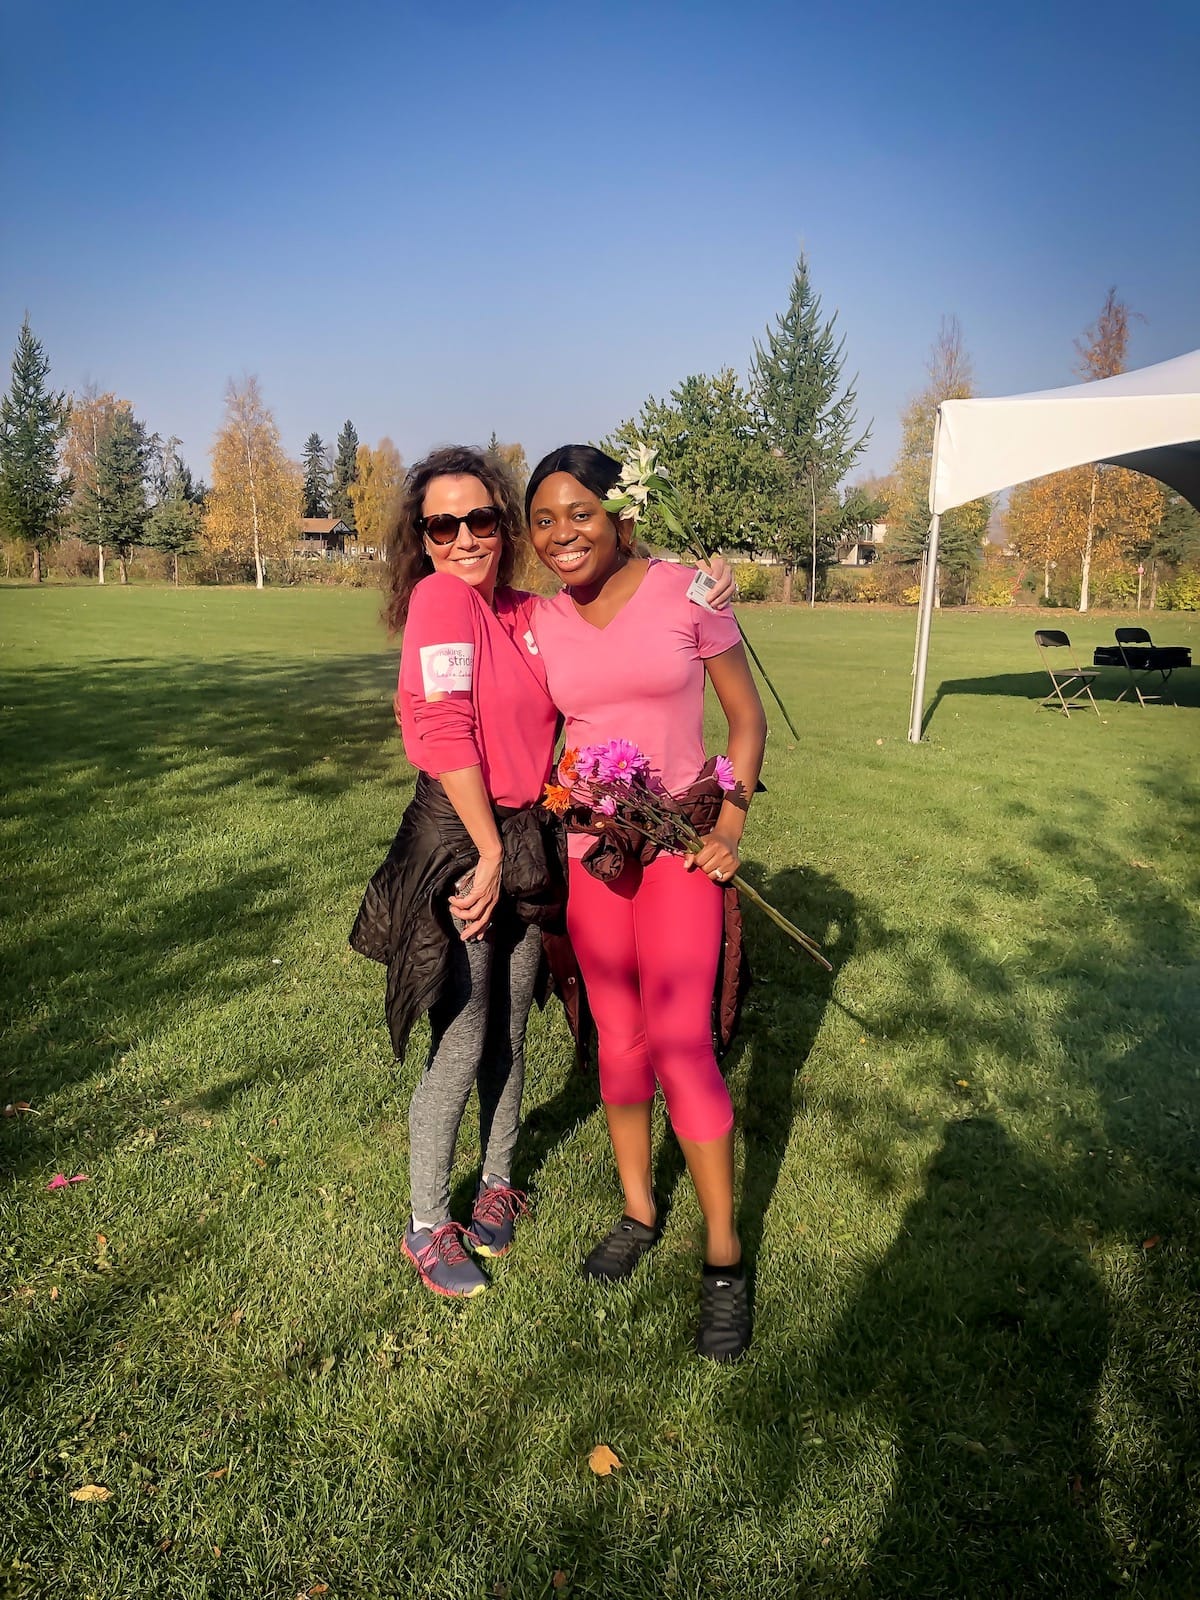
[{"x": 403, "y": 920}]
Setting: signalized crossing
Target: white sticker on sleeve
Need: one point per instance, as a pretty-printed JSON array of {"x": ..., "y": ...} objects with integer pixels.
[
  {"x": 446, "y": 668},
  {"x": 530, "y": 642}
]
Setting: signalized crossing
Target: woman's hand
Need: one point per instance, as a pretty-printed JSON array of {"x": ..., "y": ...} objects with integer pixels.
[
  {"x": 717, "y": 856},
  {"x": 474, "y": 908},
  {"x": 725, "y": 592}
]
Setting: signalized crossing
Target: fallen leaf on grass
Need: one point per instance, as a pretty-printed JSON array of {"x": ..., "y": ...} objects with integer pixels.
[
  {"x": 218, "y": 1472},
  {"x": 602, "y": 1461},
  {"x": 236, "y": 1317},
  {"x": 960, "y": 1439},
  {"x": 559, "y": 1580},
  {"x": 90, "y": 1493},
  {"x": 319, "y": 1588},
  {"x": 962, "y": 1083},
  {"x": 1148, "y": 1244},
  {"x": 54, "y": 1292}
]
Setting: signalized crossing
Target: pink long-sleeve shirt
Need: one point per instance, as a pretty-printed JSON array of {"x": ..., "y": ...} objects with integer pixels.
[{"x": 472, "y": 689}]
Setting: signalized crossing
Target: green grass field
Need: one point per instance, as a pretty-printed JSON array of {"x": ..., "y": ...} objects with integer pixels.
[{"x": 968, "y": 1160}]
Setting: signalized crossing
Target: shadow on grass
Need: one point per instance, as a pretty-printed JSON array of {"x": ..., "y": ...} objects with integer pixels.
[
  {"x": 782, "y": 1019},
  {"x": 964, "y": 1369},
  {"x": 981, "y": 1337},
  {"x": 128, "y": 897},
  {"x": 1182, "y": 691}
]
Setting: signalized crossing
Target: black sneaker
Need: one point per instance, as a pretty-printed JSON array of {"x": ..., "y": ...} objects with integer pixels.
[
  {"x": 724, "y": 1332},
  {"x": 619, "y": 1252}
]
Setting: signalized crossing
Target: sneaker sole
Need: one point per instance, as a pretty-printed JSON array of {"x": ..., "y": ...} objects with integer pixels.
[
  {"x": 436, "y": 1288},
  {"x": 485, "y": 1250}
]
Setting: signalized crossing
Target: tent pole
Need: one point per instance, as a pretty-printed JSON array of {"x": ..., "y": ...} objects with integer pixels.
[{"x": 924, "y": 617}]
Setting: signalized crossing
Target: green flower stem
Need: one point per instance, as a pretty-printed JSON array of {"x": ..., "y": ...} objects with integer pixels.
[{"x": 809, "y": 946}]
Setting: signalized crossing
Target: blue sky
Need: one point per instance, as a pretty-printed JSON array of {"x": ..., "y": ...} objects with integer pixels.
[{"x": 444, "y": 220}]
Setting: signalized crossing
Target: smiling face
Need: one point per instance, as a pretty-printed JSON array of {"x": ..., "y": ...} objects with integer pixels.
[
  {"x": 572, "y": 533},
  {"x": 474, "y": 560}
]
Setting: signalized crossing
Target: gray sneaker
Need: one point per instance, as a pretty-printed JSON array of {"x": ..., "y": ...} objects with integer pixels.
[
  {"x": 494, "y": 1217},
  {"x": 444, "y": 1265}
]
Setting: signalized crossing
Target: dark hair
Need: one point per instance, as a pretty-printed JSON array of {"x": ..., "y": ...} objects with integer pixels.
[
  {"x": 591, "y": 467},
  {"x": 408, "y": 561}
]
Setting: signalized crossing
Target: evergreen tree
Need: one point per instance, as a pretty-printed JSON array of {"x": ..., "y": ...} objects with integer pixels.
[
  {"x": 345, "y": 472},
  {"x": 174, "y": 528},
  {"x": 316, "y": 478},
  {"x": 808, "y": 415},
  {"x": 118, "y": 500},
  {"x": 174, "y": 524},
  {"x": 32, "y": 421}
]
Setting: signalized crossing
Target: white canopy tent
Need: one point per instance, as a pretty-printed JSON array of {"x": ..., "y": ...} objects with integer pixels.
[{"x": 1147, "y": 420}]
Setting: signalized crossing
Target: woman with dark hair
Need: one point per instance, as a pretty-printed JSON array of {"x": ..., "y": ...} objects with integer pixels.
[
  {"x": 626, "y": 655},
  {"x": 456, "y": 909}
]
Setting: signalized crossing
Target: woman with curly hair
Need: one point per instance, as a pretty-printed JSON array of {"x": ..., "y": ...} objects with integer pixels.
[{"x": 456, "y": 910}]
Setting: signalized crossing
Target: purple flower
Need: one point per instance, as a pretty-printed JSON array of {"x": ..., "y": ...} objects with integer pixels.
[
  {"x": 621, "y": 762},
  {"x": 587, "y": 763},
  {"x": 607, "y": 805},
  {"x": 724, "y": 774}
]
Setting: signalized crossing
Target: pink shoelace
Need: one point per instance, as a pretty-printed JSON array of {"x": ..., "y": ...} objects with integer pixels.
[
  {"x": 443, "y": 1246},
  {"x": 500, "y": 1204}
]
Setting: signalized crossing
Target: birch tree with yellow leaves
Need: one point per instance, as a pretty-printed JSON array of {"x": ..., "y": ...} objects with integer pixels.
[
  {"x": 375, "y": 493},
  {"x": 253, "y": 507},
  {"x": 1089, "y": 518}
]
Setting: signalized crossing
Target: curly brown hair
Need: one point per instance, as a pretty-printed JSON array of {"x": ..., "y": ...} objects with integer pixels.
[{"x": 407, "y": 559}]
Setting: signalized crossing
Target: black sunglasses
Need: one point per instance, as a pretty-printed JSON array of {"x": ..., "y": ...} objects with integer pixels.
[{"x": 483, "y": 522}]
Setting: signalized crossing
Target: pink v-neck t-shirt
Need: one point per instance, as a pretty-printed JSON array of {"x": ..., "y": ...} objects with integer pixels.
[
  {"x": 472, "y": 688},
  {"x": 640, "y": 678}
]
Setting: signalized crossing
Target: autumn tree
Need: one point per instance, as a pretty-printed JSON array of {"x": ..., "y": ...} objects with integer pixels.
[
  {"x": 1120, "y": 503},
  {"x": 345, "y": 471},
  {"x": 512, "y": 458},
  {"x": 253, "y": 505},
  {"x": 1088, "y": 518},
  {"x": 315, "y": 493},
  {"x": 809, "y": 415},
  {"x": 90, "y": 423},
  {"x": 375, "y": 491},
  {"x": 117, "y": 501},
  {"x": 962, "y": 531},
  {"x": 32, "y": 421}
]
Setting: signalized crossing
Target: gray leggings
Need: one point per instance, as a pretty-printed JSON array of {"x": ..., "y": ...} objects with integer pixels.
[{"x": 478, "y": 1037}]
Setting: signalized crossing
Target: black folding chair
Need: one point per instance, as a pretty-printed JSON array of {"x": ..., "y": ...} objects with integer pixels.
[
  {"x": 1140, "y": 657},
  {"x": 1070, "y": 689}
]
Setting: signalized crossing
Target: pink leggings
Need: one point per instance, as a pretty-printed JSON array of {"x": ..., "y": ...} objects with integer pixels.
[{"x": 648, "y": 947}]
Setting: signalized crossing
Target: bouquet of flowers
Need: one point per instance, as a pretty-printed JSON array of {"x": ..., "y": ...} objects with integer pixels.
[
  {"x": 611, "y": 785},
  {"x": 642, "y": 480}
]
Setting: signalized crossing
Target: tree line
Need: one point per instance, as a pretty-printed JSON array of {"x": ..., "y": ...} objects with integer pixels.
[{"x": 764, "y": 466}]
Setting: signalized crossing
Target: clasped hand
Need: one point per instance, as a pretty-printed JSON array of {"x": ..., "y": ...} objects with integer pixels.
[{"x": 474, "y": 908}]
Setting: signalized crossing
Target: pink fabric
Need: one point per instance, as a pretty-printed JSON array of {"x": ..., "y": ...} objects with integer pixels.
[
  {"x": 647, "y": 947},
  {"x": 641, "y": 678},
  {"x": 472, "y": 689}
]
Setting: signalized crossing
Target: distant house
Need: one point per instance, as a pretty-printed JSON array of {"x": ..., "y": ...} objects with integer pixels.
[
  {"x": 321, "y": 537},
  {"x": 861, "y": 549}
]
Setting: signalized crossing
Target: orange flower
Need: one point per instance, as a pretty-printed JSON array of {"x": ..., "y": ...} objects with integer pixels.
[
  {"x": 566, "y": 766},
  {"x": 557, "y": 799}
]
